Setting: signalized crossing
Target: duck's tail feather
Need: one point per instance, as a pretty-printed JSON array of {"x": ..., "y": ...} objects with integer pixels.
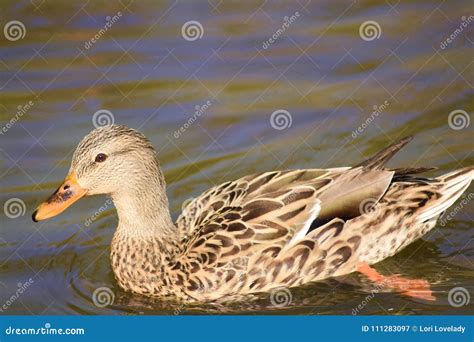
[
  {"x": 450, "y": 187},
  {"x": 379, "y": 160}
]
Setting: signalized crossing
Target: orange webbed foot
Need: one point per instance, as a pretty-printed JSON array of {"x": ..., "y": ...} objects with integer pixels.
[{"x": 416, "y": 288}]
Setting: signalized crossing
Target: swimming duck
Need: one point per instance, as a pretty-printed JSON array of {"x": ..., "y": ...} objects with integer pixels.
[{"x": 260, "y": 232}]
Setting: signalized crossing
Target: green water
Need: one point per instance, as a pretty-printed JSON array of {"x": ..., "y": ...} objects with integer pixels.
[{"x": 142, "y": 70}]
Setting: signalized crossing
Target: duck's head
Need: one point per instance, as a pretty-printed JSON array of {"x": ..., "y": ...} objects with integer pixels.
[{"x": 110, "y": 160}]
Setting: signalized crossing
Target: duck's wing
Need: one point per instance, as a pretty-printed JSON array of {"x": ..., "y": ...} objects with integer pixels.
[
  {"x": 235, "y": 228},
  {"x": 291, "y": 200},
  {"x": 261, "y": 215},
  {"x": 273, "y": 214}
]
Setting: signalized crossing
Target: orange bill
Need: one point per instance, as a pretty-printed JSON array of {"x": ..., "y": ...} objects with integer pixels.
[{"x": 68, "y": 193}]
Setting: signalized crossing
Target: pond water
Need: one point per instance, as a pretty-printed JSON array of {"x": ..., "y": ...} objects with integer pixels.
[{"x": 205, "y": 97}]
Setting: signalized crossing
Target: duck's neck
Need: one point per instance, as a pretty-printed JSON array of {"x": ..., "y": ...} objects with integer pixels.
[
  {"x": 145, "y": 237},
  {"x": 143, "y": 209}
]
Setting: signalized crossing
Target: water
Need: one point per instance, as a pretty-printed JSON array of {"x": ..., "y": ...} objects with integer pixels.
[{"x": 149, "y": 77}]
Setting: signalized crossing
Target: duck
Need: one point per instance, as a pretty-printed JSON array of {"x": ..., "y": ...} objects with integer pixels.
[{"x": 265, "y": 231}]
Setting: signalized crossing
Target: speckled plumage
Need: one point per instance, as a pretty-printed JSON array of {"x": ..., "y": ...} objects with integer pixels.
[{"x": 273, "y": 229}]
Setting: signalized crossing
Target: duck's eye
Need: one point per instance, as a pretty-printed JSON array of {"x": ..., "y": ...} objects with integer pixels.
[{"x": 100, "y": 157}]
